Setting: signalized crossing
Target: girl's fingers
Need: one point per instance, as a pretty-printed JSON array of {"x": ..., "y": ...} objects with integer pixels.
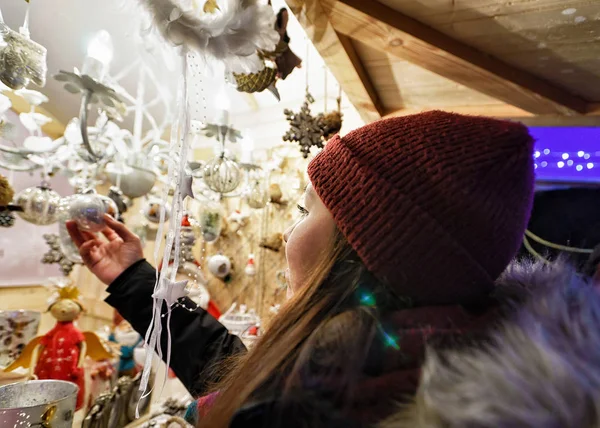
[
  {"x": 110, "y": 234},
  {"x": 88, "y": 235},
  {"x": 86, "y": 250},
  {"x": 120, "y": 229},
  {"x": 75, "y": 233},
  {"x": 79, "y": 236}
]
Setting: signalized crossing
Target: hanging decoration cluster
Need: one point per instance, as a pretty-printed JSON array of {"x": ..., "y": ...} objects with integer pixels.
[
  {"x": 278, "y": 63},
  {"x": 230, "y": 31}
]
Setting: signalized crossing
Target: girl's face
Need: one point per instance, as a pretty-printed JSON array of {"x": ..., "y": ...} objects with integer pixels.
[{"x": 307, "y": 240}]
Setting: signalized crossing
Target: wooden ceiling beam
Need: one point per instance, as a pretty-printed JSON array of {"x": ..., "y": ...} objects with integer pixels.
[
  {"x": 338, "y": 52},
  {"x": 504, "y": 111},
  {"x": 388, "y": 30}
]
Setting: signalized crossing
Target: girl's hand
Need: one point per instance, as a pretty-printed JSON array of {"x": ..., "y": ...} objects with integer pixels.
[{"x": 107, "y": 259}]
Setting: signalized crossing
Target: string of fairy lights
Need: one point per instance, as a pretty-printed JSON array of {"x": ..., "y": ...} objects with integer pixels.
[{"x": 579, "y": 161}]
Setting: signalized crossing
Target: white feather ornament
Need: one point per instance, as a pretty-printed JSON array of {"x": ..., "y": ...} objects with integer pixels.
[{"x": 233, "y": 33}]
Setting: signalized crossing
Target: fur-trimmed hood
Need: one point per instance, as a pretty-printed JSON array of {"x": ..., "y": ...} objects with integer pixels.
[{"x": 540, "y": 369}]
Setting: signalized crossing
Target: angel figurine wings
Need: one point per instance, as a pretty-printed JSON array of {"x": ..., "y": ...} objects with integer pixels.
[{"x": 60, "y": 353}]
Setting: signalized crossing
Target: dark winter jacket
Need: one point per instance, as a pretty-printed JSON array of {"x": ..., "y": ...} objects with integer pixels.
[
  {"x": 540, "y": 369},
  {"x": 393, "y": 370},
  {"x": 199, "y": 342}
]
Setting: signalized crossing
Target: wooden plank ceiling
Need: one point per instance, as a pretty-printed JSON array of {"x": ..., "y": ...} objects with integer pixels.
[{"x": 533, "y": 60}]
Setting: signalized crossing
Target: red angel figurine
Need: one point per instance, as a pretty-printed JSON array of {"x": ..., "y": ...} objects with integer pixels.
[{"x": 60, "y": 353}]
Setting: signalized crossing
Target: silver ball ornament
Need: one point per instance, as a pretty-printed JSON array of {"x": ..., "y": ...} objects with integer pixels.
[
  {"x": 136, "y": 179},
  {"x": 40, "y": 205}
]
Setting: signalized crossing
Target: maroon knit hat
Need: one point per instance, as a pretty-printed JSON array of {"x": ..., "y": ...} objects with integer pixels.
[{"x": 435, "y": 204}]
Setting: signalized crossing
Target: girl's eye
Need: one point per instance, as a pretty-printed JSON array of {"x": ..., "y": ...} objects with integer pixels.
[{"x": 303, "y": 211}]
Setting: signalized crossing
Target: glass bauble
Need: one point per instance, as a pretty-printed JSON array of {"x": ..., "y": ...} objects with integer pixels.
[
  {"x": 152, "y": 210},
  {"x": 39, "y": 204},
  {"x": 222, "y": 175},
  {"x": 211, "y": 220},
  {"x": 88, "y": 211},
  {"x": 256, "y": 195},
  {"x": 67, "y": 246}
]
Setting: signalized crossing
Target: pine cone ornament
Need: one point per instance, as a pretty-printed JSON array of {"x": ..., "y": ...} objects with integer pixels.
[
  {"x": 255, "y": 82},
  {"x": 6, "y": 192},
  {"x": 7, "y": 219},
  {"x": 332, "y": 124}
]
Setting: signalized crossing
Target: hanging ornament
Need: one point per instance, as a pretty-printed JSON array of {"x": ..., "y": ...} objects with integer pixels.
[
  {"x": 7, "y": 219},
  {"x": 67, "y": 246},
  {"x": 332, "y": 120},
  {"x": 332, "y": 124},
  {"x": 55, "y": 255},
  {"x": 275, "y": 193},
  {"x": 39, "y": 205},
  {"x": 211, "y": 222},
  {"x": 135, "y": 177},
  {"x": 272, "y": 242},
  {"x": 122, "y": 201},
  {"x": 219, "y": 265},
  {"x": 21, "y": 59},
  {"x": 286, "y": 60},
  {"x": 222, "y": 175},
  {"x": 305, "y": 129},
  {"x": 230, "y": 31},
  {"x": 256, "y": 195},
  {"x": 152, "y": 210},
  {"x": 250, "y": 268},
  {"x": 237, "y": 220},
  {"x": 6, "y": 191},
  {"x": 258, "y": 81},
  {"x": 188, "y": 235},
  {"x": 171, "y": 291},
  {"x": 88, "y": 210}
]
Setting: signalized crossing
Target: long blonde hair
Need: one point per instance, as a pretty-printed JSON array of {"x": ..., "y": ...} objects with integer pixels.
[{"x": 317, "y": 345}]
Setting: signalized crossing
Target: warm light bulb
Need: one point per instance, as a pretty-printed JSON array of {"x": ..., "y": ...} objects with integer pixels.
[{"x": 101, "y": 47}]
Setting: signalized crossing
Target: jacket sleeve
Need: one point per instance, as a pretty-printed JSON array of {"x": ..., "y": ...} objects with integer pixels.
[{"x": 199, "y": 341}]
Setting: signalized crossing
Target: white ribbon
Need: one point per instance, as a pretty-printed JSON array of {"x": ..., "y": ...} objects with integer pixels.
[{"x": 179, "y": 150}]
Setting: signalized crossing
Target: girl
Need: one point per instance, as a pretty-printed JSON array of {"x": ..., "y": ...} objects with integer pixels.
[{"x": 405, "y": 227}]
